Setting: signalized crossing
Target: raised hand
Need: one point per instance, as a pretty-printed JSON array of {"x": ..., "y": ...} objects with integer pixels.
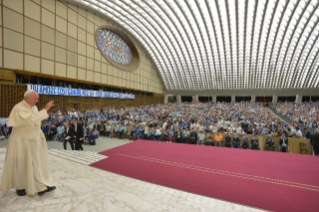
[{"x": 49, "y": 105}]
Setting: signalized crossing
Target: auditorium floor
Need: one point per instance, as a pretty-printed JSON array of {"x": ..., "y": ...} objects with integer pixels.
[
  {"x": 105, "y": 143},
  {"x": 84, "y": 188}
]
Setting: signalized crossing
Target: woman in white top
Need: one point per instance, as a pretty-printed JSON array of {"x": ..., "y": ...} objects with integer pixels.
[
  {"x": 220, "y": 123},
  {"x": 201, "y": 127},
  {"x": 238, "y": 129},
  {"x": 214, "y": 128},
  {"x": 231, "y": 129},
  {"x": 146, "y": 131},
  {"x": 176, "y": 126},
  {"x": 194, "y": 126},
  {"x": 165, "y": 125},
  {"x": 226, "y": 123},
  {"x": 158, "y": 133}
]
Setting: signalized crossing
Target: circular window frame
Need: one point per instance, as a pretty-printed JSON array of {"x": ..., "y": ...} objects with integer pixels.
[{"x": 134, "y": 64}]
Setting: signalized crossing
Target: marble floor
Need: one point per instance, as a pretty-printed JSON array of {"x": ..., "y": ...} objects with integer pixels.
[
  {"x": 84, "y": 188},
  {"x": 104, "y": 144}
]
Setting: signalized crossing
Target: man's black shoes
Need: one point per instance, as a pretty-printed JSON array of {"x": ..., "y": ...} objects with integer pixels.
[
  {"x": 21, "y": 192},
  {"x": 47, "y": 190}
]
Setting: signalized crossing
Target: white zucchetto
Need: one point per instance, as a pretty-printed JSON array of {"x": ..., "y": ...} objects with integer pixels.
[{"x": 28, "y": 92}]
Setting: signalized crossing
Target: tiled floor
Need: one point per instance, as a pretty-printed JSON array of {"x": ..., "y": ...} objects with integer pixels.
[{"x": 84, "y": 188}]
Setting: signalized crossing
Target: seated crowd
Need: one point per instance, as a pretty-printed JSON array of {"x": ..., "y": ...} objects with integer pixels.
[
  {"x": 194, "y": 123},
  {"x": 305, "y": 112}
]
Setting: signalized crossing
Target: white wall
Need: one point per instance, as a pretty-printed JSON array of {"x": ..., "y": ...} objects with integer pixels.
[{"x": 57, "y": 39}]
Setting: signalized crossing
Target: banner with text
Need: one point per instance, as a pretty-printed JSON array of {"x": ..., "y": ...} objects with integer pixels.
[{"x": 52, "y": 90}]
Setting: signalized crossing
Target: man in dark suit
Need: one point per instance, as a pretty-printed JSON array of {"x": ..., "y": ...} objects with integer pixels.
[
  {"x": 307, "y": 134},
  {"x": 2, "y": 130},
  {"x": 314, "y": 140},
  {"x": 78, "y": 134},
  {"x": 68, "y": 136},
  {"x": 102, "y": 129},
  {"x": 270, "y": 143},
  {"x": 193, "y": 137},
  {"x": 283, "y": 143},
  {"x": 97, "y": 126},
  {"x": 52, "y": 132},
  {"x": 245, "y": 126}
]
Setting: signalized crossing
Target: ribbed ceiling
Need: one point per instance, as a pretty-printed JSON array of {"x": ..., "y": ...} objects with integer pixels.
[{"x": 224, "y": 44}]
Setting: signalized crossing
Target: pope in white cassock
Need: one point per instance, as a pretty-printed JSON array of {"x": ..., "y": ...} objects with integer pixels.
[{"x": 27, "y": 160}]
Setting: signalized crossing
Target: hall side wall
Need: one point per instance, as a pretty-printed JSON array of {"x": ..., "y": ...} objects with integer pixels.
[
  {"x": 53, "y": 38},
  {"x": 12, "y": 94}
]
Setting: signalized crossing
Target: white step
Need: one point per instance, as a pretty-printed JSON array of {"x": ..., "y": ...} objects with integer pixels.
[{"x": 83, "y": 157}]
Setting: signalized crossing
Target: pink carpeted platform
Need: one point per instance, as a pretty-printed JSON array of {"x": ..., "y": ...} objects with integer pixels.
[{"x": 267, "y": 180}]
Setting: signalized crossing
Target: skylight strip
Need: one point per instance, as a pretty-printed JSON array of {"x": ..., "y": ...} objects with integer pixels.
[
  {"x": 266, "y": 40},
  {"x": 180, "y": 37},
  {"x": 266, "y": 18},
  {"x": 313, "y": 81},
  {"x": 213, "y": 62},
  {"x": 216, "y": 47},
  {"x": 309, "y": 27},
  {"x": 179, "y": 20},
  {"x": 308, "y": 54},
  {"x": 302, "y": 26},
  {"x": 279, "y": 28},
  {"x": 307, "y": 65},
  {"x": 232, "y": 29},
  {"x": 241, "y": 30},
  {"x": 162, "y": 30},
  {"x": 250, "y": 25},
  {"x": 286, "y": 42},
  {"x": 220, "y": 47},
  {"x": 287, "y": 15},
  {"x": 257, "y": 30},
  {"x": 224, "y": 18},
  {"x": 311, "y": 73},
  {"x": 193, "y": 8},
  {"x": 314, "y": 30}
]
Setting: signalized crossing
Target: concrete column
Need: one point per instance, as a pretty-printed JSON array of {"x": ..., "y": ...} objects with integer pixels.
[
  {"x": 179, "y": 99},
  {"x": 165, "y": 99},
  {"x": 253, "y": 98},
  {"x": 196, "y": 98},
  {"x": 214, "y": 99},
  {"x": 274, "y": 98},
  {"x": 298, "y": 98},
  {"x": 233, "y": 98}
]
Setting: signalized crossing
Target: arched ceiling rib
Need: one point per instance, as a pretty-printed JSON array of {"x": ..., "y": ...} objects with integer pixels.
[{"x": 229, "y": 44}]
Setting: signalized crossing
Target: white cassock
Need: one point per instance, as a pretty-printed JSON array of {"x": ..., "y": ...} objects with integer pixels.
[{"x": 27, "y": 159}]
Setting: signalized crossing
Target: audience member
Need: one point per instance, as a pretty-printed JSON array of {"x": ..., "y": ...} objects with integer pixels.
[
  {"x": 283, "y": 143},
  {"x": 218, "y": 139},
  {"x": 314, "y": 140},
  {"x": 227, "y": 140},
  {"x": 236, "y": 141},
  {"x": 270, "y": 143},
  {"x": 254, "y": 142},
  {"x": 245, "y": 143},
  {"x": 94, "y": 135}
]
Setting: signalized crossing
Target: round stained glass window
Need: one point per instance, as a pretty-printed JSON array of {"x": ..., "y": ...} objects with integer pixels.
[
  {"x": 114, "y": 47},
  {"x": 117, "y": 48}
]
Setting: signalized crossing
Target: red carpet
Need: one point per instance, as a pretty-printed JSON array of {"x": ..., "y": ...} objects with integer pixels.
[{"x": 268, "y": 180}]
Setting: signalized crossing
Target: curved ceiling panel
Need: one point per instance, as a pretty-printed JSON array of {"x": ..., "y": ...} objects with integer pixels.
[{"x": 231, "y": 44}]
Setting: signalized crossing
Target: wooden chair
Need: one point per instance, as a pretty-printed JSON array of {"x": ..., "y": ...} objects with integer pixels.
[{"x": 303, "y": 147}]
